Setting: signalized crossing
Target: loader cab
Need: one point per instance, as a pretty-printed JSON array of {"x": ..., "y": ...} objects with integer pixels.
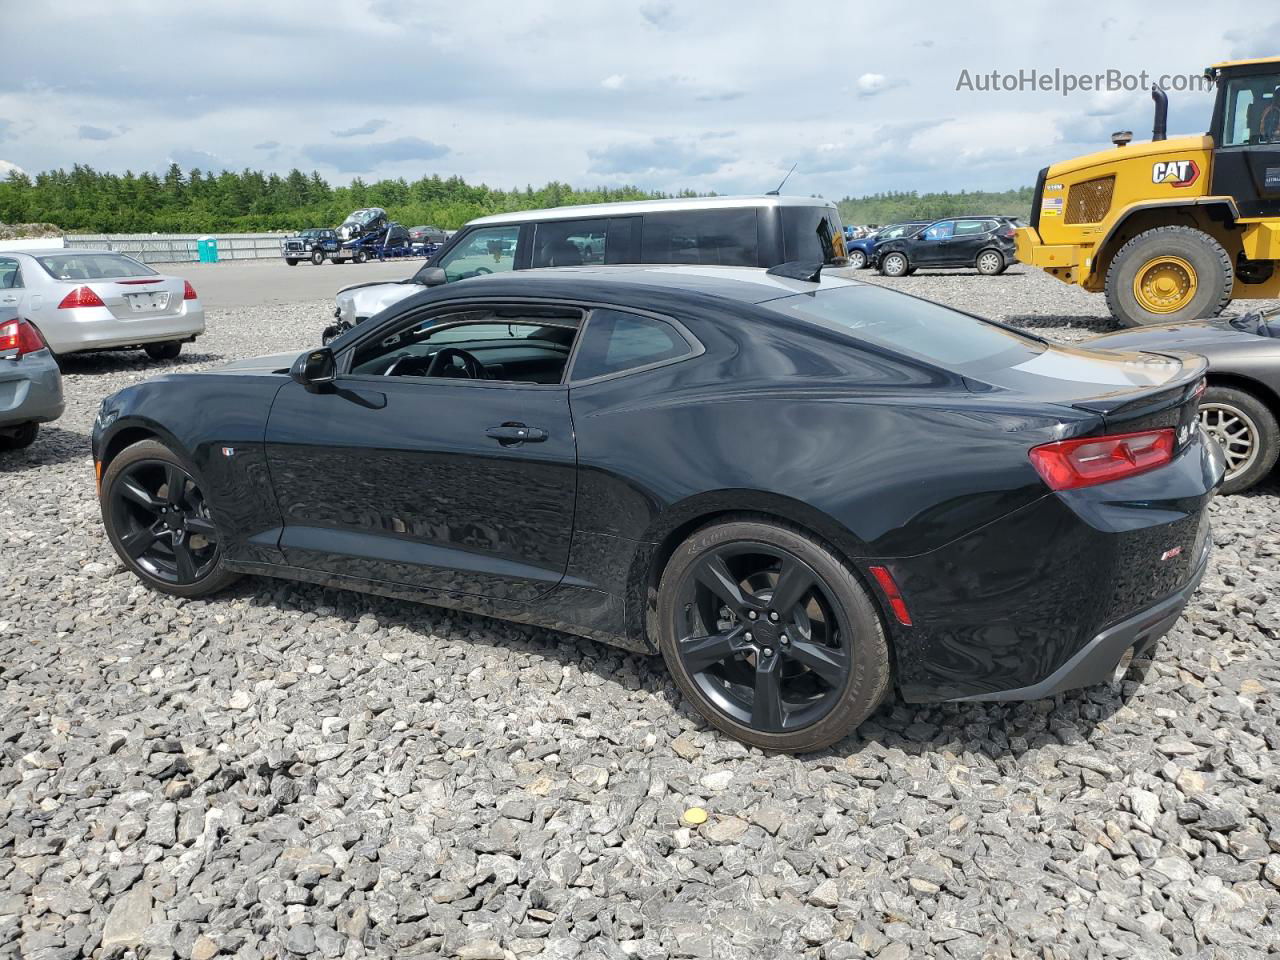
[{"x": 1246, "y": 135}]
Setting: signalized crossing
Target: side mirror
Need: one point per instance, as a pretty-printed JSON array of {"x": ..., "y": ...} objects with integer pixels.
[
  {"x": 432, "y": 276},
  {"x": 315, "y": 368}
]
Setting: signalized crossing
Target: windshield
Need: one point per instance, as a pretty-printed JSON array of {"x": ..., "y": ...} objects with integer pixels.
[
  {"x": 914, "y": 327},
  {"x": 93, "y": 266}
]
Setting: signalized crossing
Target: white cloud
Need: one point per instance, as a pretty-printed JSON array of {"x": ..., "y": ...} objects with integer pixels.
[
  {"x": 7, "y": 168},
  {"x": 615, "y": 81},
  {"x": 871, "y": 83}
]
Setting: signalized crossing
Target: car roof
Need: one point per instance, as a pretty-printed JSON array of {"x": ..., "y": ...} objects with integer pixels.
[
  {"x": 628, "y": 207},
  {"x": 59, "y": 251},
  {"x": 740, "y": 284}
]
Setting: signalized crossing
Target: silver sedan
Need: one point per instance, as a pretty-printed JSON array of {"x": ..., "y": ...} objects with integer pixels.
[{"x": 100, "y": 300}]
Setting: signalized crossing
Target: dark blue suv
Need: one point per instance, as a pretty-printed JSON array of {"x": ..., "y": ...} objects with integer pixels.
[{"x": 862, "y": 253}]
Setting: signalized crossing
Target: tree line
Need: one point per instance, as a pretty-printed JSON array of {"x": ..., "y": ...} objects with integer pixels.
[{"x": 93, "y": 201}]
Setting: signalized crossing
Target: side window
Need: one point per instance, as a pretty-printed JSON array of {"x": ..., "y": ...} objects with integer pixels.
[
  {"x": 971, "y": 228},
  {"x": 484, "y": 250},
  {"x": 10, "y": 275},
  {"x": 508, "y": 344},
  {"x": 810, "y": 234},
  {"x": 941, "y": 231},
  {"x": 1253, "y": 111},
  {"x": 615, "y": 341},
  {"x": 569, "y": 243},
  {"x": 718, "y": 237}
]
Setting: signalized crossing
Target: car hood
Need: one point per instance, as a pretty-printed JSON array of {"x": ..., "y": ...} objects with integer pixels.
[
  {"x": 274, "y": 363},
  {"x": 366, "y": 300},
  {"x": 1189, "y": 335}
]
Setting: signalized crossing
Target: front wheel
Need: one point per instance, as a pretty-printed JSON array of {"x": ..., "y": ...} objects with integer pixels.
[
  {"x": 990, "y": 263},
  {"x": 290, "y": 261},
  {"x": 1169, "y": 275},
  {"x": 771, "y": 636},
  {"x": 1247, "y": 432},
  {"x": 857, "y": 260},
  {"x": 317, "y": 257},
  {"x": 19, "y": 437},
  {"x": 894, "y": 264},
  {"x": 168, "y": 350},
  {"x": 159, "y": 524}
]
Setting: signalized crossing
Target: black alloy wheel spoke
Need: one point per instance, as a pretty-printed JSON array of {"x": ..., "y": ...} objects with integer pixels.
[
  {"x": 185, "y": 561},
  {"x": 829, "y": 663},
  {"x": 766, "y": 705},
  {"x": 702, "y": 652},
  {"x": 137, "y": 542},
  {"x": 200, "y": 527},
  {"x": 794, "y": 583},
  {"x": 132, "y": 491},
  {"x": 713, "y": 574},
  {"x": 176, "y": 486}
]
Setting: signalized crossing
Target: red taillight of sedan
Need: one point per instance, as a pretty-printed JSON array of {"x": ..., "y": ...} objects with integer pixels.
[
  {"x": 1070, "y": 464},
  {"x": 188, "y": 291},
  {"x": 80, "y": 297},
  {"x": 20, "y": 336}
]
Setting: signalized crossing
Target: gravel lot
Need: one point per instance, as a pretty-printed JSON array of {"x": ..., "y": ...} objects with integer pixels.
[{"x": 287, "y": 770}]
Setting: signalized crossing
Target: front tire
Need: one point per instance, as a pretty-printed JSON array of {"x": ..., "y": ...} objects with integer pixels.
[
  {"x": 1247, "y": 432},
  {"x": 771, "y": 636},
  {"x": 317, "y": 257},
  {"x": 857, "y": 260},
  {"x": 895, "y": 264},
  {"x": 159, "y": 524},
  {"x": 290, "y": 261},
  {"x": 168, "y": 350},
  {"x": 1168, "y": 275},
  {"x": 19, "y": 437}
]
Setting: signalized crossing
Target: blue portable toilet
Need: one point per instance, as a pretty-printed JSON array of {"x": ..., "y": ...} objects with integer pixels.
[{"x": 208, "y": 248}]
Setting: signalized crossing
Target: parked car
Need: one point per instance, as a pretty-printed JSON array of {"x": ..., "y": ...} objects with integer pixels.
[
  {"x": 315, "y": 244},
  {"x": 862, "y": 252},
  {"x": 802, "y": 494},
  {"x": 721, "y": 231},
  {"x": 360, "y": 222},
  {"x": 1241, "y": 405},
  {"x": 428, "y": 235},
  {"x": 99, "y": 300},
  {"x": 30, "y": 383},
  {"x": 985, "y": 243}
]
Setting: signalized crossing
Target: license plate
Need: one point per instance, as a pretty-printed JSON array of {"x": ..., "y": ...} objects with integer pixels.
[{"x": 147, "y": 302}]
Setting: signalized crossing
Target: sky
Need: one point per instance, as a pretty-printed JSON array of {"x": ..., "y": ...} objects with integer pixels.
[{"x": 715, "y": 95}]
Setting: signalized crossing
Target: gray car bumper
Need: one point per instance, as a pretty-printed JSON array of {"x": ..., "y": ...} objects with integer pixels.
[{"x": 30, "y": 389}]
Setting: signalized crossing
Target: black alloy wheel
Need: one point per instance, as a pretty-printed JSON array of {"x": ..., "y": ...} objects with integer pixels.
[
  {"x": 159, "y": 522},
  {"x": 772, "y": 636}
]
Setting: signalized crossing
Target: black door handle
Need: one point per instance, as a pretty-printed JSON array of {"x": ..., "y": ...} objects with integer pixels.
[{"x": 510, "y": 433}]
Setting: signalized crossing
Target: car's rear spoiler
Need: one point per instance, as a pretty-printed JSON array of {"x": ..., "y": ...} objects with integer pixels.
[{"x": 1139, "y": 401}]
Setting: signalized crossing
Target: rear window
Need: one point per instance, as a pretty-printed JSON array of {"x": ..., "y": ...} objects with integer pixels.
[
  {"x": 93, "y": 266},
  {"x": 808, "y": 234},
  {"x": 715, "y": 237},
  {"x": 913, "y": 327}
]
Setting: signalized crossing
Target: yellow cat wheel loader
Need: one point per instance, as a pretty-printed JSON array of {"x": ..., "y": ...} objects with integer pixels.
[{"x": 1176, "y": 228}]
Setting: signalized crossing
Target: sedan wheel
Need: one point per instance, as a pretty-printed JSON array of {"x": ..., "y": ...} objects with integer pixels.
[
  {"x": 159, "y": 523},
  {"x": 771, "y": 636},
  {"x": 1245, "y": 430},
  {"x": 894, "y": 265},
  {"x": 857, "y": 260}
]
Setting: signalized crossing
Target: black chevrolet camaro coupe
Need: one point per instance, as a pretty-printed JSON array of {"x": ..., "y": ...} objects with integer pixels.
[{"x": 800, "y": 492}]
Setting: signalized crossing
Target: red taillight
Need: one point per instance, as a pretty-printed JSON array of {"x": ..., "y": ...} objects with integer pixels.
[
  {"x": 1009, "y": 233},
  {"x": 892, "y": 594},
  {"x": 188, "y": 291},
  {"x": 20, "y": 336},
  {"x": 1069, "y": 464},
  {"x": 80, "y": 297}
]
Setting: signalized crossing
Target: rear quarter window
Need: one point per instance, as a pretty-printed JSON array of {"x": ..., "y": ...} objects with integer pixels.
[
  {"x": 808, "y": 233},
  {"x": 615, "y": 341},
  {"x": 704, "y": 237}
]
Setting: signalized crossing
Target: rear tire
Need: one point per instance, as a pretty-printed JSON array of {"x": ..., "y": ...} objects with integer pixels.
[
  {"x": 825, "y": 643},
  {"x": 359, "y": 256},
  {"x": 19, "y": 437},
  {"x": 317, "y": 257},
  {"x": 168, "y": 350},
  {"x": 1246, "y": 430},
  {"x": 124, "y": 516},
  {"x": 1168, "y": 275},
  {"x": 895, "y": 264},
  {"x": 990, "y": 263}
]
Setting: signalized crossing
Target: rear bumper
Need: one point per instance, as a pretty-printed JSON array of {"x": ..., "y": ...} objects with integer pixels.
[
  {"x": 30, "y": 390},
  {"x": 97, "y": 328},
  {"x": 1097, "y": 661}
]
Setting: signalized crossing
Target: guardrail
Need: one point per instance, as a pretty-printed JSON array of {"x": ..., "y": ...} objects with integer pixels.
[{"x": 181, "y": 248}]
